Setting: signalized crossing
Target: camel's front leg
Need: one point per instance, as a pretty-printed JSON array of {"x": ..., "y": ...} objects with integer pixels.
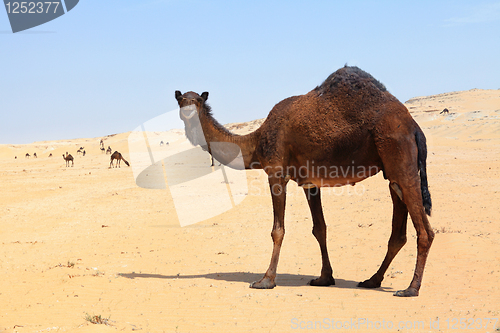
[
  {"x": 278, "y": 193},
  {"x": 313, "y": 196}
]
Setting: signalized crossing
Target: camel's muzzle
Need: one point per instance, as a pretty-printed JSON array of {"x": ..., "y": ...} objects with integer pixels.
[{"x": 189, "y": 111}]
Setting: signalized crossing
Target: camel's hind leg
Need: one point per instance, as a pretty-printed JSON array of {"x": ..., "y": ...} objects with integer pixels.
[
  {"x": 413, "y": 199},
  {"x": 313, "y": 196},
  {"x": 404, "y": 156},
  {"x": 396, "y": 241}
]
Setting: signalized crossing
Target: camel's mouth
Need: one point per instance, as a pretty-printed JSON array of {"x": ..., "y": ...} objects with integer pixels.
[{"x": 189, "y": 111}]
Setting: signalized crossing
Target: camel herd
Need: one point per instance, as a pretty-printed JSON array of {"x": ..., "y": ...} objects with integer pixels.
[
  {"x": 348, "y": 121},
  {"x": 69, "y": 159}
]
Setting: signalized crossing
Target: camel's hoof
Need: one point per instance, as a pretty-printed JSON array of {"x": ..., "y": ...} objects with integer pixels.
[
  {"x": 323, "y": 281},
  {"x": 263, "y": 284},
  {"x": 369, "y": 284},
  {"x": 410, "y": 292}
]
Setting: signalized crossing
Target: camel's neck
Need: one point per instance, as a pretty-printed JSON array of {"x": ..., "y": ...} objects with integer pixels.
[{"x": 215, "y": 134}]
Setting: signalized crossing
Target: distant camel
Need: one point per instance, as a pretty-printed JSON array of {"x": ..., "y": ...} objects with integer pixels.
[
  {"x": 108, "y": 151},
  {"x": 205, "y": 148},
  {"x": 117, "y": 156},
  {"x": 161, "y": 143},
  {"x": 444, "y": 111},
  {"x": 68, "y": 158},
  {"x": 101, "y": 143},
  {"x": 50, "y": 155},
  {"x": 102, "y": 149},
  {"x": 34, "y": 155},
  {"x": 345, "y": 130},
  {"x": 84, "y": 153},
  {"x": 27, "y": 155},
  {"x": 79, "y": 151},
  {"x": 15, "y": 157}
]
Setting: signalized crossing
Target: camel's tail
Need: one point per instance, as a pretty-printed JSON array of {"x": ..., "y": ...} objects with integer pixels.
[
  {"x": 124, "y": 160},
  {"x": 422, "y": 167}
]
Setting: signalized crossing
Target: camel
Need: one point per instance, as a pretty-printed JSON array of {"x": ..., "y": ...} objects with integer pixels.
[
  {"x": 445, "y": 111},
  {"x": 117, "y": 156},
  {"x": 161, "y": 143},
  {"x": 27, "y": 155},
  {"x": 79, "y": 151},
  {"x": 68, "y": 158},
  {"x": 102, "y": 149},
  {"x": 349, "y": 123},
  {"x": 205, "y": 148},
  {"x": 50, "y": 155},
  {"x": 108, "y": 151},
  {"x": 34, "y": 155}
]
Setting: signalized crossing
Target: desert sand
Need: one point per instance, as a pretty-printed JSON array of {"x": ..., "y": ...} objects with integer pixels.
[{"x": 85, "y": 242}]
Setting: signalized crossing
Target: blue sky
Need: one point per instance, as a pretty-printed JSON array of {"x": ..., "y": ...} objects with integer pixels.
[{"x": 107, "y": 66}]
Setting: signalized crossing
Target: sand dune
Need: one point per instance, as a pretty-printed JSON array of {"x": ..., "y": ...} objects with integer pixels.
[{"x": 85, "y": 241}]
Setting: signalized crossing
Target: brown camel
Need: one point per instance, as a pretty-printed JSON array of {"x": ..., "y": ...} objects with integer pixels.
[
  {"x": 68, "y": 158},
  {"x": 27, "y": 155},
  {"x": 349, "y": 123},
  {"x": 108, "y": 151},
  {"x": 102, "y": 149},
  {"x": 205, "y": 148},
  {"x": 117, "y": 156}
]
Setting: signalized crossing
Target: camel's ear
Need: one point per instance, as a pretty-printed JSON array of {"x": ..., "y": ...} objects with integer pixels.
[
  {"x": 178, "y": 95},
  {"x": 204, "y": 96}
]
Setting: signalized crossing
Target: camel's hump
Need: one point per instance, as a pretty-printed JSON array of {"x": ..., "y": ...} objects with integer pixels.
[{"x": 351, "y": 77}]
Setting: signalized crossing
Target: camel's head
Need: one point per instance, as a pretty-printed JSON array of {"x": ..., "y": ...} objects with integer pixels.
[
  {"x": 191, "y": 98},
  {"x": 191, "y": 106}
]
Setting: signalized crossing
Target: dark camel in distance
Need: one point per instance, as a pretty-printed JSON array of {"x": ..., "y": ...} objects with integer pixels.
[
  {"x": 349, "y": 121},
  {"x": 68, "y": 158},
  {"x": 117, "y": 156}
]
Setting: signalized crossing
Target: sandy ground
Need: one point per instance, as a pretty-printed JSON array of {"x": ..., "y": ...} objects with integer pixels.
[{"x": 86, "y": 241}]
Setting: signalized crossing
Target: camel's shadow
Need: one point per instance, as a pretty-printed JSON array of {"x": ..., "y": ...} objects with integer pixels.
[{"x": 285, "y": 280}]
